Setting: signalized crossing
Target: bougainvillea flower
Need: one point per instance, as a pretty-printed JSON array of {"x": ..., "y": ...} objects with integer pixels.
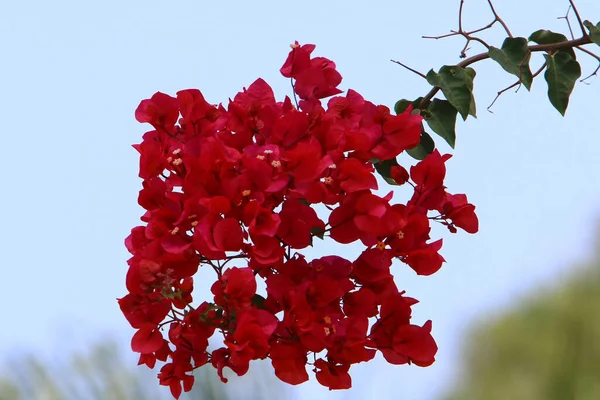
[{"x": 240, "y": 189}]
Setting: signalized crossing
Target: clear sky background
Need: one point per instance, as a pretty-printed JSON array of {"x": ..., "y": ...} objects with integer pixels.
[{"x": 73, "y": 72}]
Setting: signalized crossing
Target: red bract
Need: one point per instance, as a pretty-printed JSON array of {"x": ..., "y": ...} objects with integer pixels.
[
  {"x": 462, "y": 213},
  {"x": 333, "y": 376},
  {"x": 260, "y": 220},
  {"x": 356, "y": 175},
  {"x": 251, "y": 338},
  {"x": 298, "y": 59},
  {"x": 240, "y": 189},
  {"x": 160, "y": 111},
  {"x": 289, "y": 362},
  {"x": 143, "y": 309},
  {"x": 147, "y": 339},
  {"x": 399, "y": 133},
  {"x": 235, "y": 288},
  {"x": 174, "y": 374},
  {"x": 318, "y": 81},
  {"x": 415, "y": 344},
  {"x": 298, "y": 224}
]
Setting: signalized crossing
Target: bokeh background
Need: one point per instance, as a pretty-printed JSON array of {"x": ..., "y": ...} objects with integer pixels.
[{"x": 516, "y": 306}]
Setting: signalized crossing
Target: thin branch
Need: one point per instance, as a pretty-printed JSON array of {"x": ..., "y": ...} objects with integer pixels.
[
  {"x": 517, "y": 83},
  {"x": 488, "y": 26},
  {"x": 500, "y": 20},
  {"x": 460, "y": 9},
  {"x": 468, "y": 35},
  {"x": 597, "y": 57},
  {"x": 566, "y": 18},
  {"x": 463, "y": 52},
  {"x": 595, "y": 73},
  {"x": 482, "y": 56},
  {"x": 456, "y": 33},
  {"x": 452, "y": 33},
  {"x": 583, "y": 32},
  {"x": 294, "y": 92},
  {"x": 410, "y": 69}
]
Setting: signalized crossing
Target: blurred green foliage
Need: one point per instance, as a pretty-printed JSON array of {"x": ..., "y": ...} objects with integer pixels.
[
  {"x": 100, "y": 374},
  {"x": 547, "y": 348},
  {"x": 103, "y": 373}
]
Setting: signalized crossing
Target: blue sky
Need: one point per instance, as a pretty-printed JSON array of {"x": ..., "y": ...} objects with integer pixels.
[{"x": 72, "y": 74}]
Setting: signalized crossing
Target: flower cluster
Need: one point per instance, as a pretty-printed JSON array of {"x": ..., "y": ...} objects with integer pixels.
[{"x": 235, "y": 189}]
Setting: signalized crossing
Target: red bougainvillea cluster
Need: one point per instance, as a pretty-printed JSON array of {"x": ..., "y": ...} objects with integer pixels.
[{"x": 233, "y": 189}]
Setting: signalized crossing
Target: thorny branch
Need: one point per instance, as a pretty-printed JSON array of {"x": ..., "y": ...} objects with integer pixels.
[
  {"x": 517, "y": 83},
  {"x": 582, "y": 27},
  {"x": 422, "y": 75},
  {"x": 595, "y": 73},
  {"x": 566, "y": 18},
  {"x": 468, "y": 35},
  {"x": 499, "y": 20},
  {"x": 535, "y": 48}
]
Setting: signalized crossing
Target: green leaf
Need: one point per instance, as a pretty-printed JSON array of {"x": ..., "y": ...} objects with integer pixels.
[
  {"x": 594, "y": 31},
  {"x": 424, "y": 148},
  {"x": 384, "y": 168},
  {"x": 544, "y": 36},
  {"x": 318, "y": 232},
  {"x": 561, "y": 75},
  {"x": 457, "y": 85},
  {"x": 402, "y": 105},
  {"x": 257, "y": 301},
  {"x": 441, "y": 117},
  {"x": 514, "y": 58}
]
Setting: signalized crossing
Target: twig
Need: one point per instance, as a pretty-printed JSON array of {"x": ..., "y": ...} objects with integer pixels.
[
  {"x": 410, "y": 69},
  {"x": 584, "y": 33},
  {"x": 468, "y": 35},
  {"x": 294, "y": 92},
  {"x": 482, "y": 56},
  {"x": 597, "y": 57},
  {"x": 566, "y": 18},
  {"x": 452, "y": 33},
  {"x": 500, "y": 20},
  {"x": 488, "y": 26},
  {"x": 595, "y": 73},
  {"x": 513, "y": 85},
  {"x": 462, "y": 3},
  {"x": 476, "y": 39}
]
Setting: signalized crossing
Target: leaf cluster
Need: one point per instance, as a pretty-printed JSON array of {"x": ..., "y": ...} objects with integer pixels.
[{"x": 561, "y": 72}]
